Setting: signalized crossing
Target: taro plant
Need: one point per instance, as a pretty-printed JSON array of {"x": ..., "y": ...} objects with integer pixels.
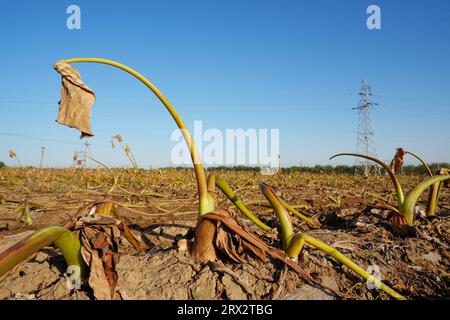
[
  {"x": 74, "y": 111},
  {"x": 215, "y": 230},
  {"x": 203, "y": 248},
  {"x": 435, "y": 189},
  {"x": 61, "y": 237},
  {"x": 89, "y": 243},
  {"x": 404, "y": 214},
  {"x": 435, "y": 192},
  {"x": 293, "y": 243}
]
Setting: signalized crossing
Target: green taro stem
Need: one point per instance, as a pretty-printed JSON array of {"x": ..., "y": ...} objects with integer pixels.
[
  {"x": 61, "y": 237},
  {"x": 397, "y": 186},
  {"x": 298, "y": 214},
  {"x": 296, "y": 245},
  {"x": 225, "y": 188},
  {"x": 206, "y": 203},
  {"x": 293, "y": 244},
  {"x": 287, "y": 231},
  {"x": 433, "y": 198},
  {"x": 407, "y": 209},
  {"x": 433, "y": 195}
]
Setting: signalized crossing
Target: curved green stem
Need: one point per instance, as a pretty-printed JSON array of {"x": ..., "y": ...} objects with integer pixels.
[
  {"x": 422, "y": 161},
  {"x": 433, "y": 198},
  {"x": 296, "y": 245},
  {"x": 298, "y": 214},
  {"x": 205, "y": 205},
  {"x": 397, "y": 186},
  {"x": 287, "y": 231},
  {"x": 225, "y": 188},
  {"x": 407, "y": 209},
  {"x": 61, "y": 237},
  {"x": 293, "y": 244},
  {"x": 435, "y": 194}
]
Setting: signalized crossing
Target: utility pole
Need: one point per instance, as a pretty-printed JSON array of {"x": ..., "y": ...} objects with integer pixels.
[
  {"x": 365, "y": 137},
  {"x": 42, "y": 157}
]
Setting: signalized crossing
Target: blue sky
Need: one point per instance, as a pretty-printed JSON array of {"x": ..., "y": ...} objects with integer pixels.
[{"x": 291, "y": 65}]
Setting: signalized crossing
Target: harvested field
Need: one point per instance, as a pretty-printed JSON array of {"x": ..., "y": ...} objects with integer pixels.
[{"x": 160, "y": 207}]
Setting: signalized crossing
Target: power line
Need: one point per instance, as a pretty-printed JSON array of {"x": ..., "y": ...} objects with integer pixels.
[{"x": 35, "y": 138}]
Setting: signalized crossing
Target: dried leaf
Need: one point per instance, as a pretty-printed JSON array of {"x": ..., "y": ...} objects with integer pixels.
[
  {"x": 224, "y": 243},
  {"x": 76, "y": 100},
  {"x": 102, "y": 213},
  {"x": 256, "y": 251},
  {"x": 118, "y": 137},
  {"x": 99, "y": 229},
  {"x": 100, "y": 252},
  {"x": 397, "y": 162},
  {"x": 97, "y": 278},
  {"x": 247, "y": 237}
]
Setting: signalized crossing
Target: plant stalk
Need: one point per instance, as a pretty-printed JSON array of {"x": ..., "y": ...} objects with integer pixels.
[
  {"x": 296, "y": 246},
  {"x": 61, "y": 237},
  {"x": 205, "y": 204},
  {"x": 287, "y": 231},
  {"x": 225, "y": 188}
]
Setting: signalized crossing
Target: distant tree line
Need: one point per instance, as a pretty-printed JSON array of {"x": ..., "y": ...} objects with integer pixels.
[
  {"x": 408, "y": 169},
  {"x": 2, "y": 164},
  {"x": 340, "y": 169}
]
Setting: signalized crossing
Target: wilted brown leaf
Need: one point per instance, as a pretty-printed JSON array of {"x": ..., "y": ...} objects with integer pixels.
[
  {"x": 97, "y": 277},
  {"x": 100, "y": 252},
  {"x": 397, "y": 162},
  {"x": 233, "y": 249},
  {"x": 99, "y": 229},
  {"x": 118, "y": 137},
  {"x": 76, "y": 100},
  {"x": 253, "y": 243}
]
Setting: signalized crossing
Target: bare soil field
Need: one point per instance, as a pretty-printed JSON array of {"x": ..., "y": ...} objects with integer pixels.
[{"x": 160, "y": 207}]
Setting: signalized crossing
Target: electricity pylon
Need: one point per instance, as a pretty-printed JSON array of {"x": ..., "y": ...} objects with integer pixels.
[{"x": 365, "y": 137}]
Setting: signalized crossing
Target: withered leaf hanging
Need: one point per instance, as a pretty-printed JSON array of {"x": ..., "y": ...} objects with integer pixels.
[
  {"x": 397, "y": 162},
  {"x": 76, "y": 100}
]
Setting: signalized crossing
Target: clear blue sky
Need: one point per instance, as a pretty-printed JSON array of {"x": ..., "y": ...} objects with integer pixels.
[{"x": 292, "y": 65}]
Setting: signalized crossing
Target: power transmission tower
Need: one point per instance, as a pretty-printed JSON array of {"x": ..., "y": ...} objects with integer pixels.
[
  {"x": 80, "y": 157},
  {"x": 42, "y": 157},
  {"x": 365, "y": 137}
]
